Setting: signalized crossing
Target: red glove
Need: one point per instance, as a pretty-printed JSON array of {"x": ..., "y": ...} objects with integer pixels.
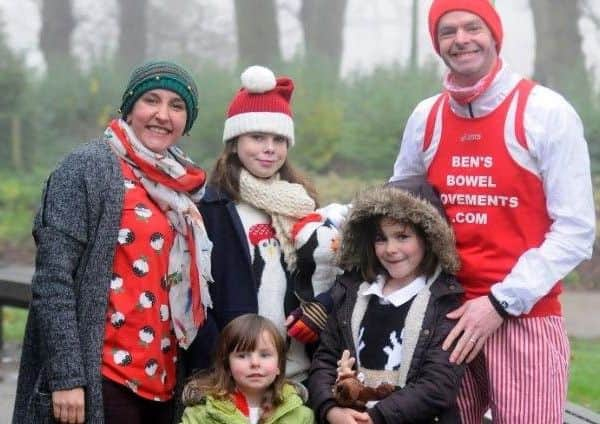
[{"x": 309, "y": 319}]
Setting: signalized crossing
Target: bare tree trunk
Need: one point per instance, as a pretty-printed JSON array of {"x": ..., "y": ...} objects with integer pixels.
[
  {"x": 414, "y": 46},
  {"x": 133, "y": 28},
  {"x": 559, "y": 60},
  {"x": 323, "y": 24},
  {"x": 55, "y": 36},
  {"x": 16, "y": 142},
  {"x": 257, "y": 32}
]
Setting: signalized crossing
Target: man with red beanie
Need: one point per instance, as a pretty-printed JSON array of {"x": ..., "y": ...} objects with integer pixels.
[{"x": 512, "y": 167}]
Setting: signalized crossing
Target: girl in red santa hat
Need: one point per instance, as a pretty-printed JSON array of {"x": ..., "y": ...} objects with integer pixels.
[{"x": 273, "y": 250}]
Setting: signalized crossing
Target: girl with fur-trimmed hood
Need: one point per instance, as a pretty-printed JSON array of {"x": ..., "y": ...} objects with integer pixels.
[{"x": 390, "y": 310}]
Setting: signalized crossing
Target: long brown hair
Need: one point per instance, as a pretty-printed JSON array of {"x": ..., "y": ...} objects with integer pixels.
[
  {"x": 241, "y": 334},
  {"x": 225, "y": 174}
]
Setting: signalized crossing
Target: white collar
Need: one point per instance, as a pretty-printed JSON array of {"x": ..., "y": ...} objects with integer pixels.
[
  {"x": 254, "y": 414},
  {"x": 397, "y": 297}
]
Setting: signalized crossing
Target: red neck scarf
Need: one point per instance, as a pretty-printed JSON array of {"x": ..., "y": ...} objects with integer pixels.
[
  {"x": 189, "y": 182},
  {"x": 241, "y": 403},
  {"x": 465, "y": 95}
]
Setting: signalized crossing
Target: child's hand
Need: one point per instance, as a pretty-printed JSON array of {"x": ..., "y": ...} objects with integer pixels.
[
  {"x": 300, "y": 330},
  {"x": 306, "y": 322},
  {"x": 345, "y": 365},
  {"x": 335, "y": 212},
  {"x": 337, "y": 415}
]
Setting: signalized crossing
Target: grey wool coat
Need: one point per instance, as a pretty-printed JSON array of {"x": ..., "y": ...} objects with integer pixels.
[{"x": 75, "y": 231}]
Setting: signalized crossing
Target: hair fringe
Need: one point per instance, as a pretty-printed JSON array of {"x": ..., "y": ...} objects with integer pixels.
[
  {"x": 240, "y": 334},
  {"x": 225, "y": 174}
]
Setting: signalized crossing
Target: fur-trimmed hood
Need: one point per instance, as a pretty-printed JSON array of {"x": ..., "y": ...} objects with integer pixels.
[{"x": 402, "y": 206}]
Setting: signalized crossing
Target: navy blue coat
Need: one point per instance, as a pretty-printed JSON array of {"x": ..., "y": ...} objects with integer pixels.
[
  {"x": 234, "y": 291},
  {"x": 235, "y": 288}
]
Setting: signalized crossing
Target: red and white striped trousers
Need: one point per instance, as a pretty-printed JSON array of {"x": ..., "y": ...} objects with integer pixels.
[{"x": 521, "y": 374}]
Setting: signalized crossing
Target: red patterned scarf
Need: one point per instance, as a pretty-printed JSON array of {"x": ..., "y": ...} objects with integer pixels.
[{"x": 174, "y": 182}]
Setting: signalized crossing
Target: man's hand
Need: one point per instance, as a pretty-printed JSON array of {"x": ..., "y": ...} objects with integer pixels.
[
  {"x": 337, "y": 415},
  {"x": 69, "y": 405},
  {"x": 477, "y": 320}
]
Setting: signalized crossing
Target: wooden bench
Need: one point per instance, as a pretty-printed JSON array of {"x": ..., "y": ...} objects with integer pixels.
[
  {"x": 574, "y": 414},
  {"x": 15, "y": 289},
  {"x": 577, "y": 414}
]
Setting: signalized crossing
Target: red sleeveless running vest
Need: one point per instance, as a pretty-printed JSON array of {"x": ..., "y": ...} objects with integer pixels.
[{"x": 496, "y": 205}]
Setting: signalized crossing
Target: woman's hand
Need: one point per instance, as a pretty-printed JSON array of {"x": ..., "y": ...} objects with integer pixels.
[
  {"x": 69, "y": 405},
  {"x": 337, "y": 415}
]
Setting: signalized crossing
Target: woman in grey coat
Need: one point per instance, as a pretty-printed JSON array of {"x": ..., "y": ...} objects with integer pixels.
[{"x": 121, "y": 267}]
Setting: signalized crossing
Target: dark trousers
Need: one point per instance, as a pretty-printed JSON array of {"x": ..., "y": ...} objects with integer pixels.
[{"x": 122, "y": 406}]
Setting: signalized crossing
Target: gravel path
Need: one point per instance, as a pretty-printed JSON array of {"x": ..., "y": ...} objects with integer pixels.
[{"x": 581, "y": 311}]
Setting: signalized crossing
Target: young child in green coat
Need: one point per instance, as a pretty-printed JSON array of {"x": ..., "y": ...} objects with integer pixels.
[{"x": 247, "y": 384}]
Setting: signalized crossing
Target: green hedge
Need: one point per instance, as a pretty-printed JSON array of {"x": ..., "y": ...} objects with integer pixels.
[
  {"x": 352, "y": 127},
  {"x": 347, "y": 131}
]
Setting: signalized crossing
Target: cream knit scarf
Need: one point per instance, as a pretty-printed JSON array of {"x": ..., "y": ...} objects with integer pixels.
[{"x": 283, "y": 201}]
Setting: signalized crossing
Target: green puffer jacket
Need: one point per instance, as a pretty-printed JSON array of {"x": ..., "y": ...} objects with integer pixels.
[{"x": 291, "y": 411}]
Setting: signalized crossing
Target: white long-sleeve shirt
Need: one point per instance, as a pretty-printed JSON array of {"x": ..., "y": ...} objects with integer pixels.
[{"x": 559, "y": 152}]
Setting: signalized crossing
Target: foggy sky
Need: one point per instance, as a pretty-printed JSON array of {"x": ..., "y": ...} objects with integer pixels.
[{"x": 375, "y": 34}]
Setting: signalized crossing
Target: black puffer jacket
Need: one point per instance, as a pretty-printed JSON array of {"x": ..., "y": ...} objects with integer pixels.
[{"x": 429, "y": 383}]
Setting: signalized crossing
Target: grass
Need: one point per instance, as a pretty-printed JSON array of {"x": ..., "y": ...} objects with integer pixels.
[
  {"x": 584, "y": 371},
  {"x": 19, "y": 199},
  {"x": 583, "y": 382},
  {"x": 13, "y": 323}
]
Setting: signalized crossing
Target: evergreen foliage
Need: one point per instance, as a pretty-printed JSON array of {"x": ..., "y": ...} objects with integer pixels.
[
  {"x": 12, "y": 86},
  {"x": 348, "y": 131}
]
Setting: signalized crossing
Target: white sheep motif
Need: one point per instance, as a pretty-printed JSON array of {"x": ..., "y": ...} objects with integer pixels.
[{"x": 394, "y": 353}]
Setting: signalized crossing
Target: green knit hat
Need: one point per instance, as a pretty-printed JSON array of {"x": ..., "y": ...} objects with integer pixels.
[{"x": 166, "y": 75}]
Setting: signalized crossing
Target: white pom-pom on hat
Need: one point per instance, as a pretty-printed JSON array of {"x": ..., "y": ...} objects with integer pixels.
[
  {"x": 258, "y": 79},
  {"x": 262, "y": 105}
]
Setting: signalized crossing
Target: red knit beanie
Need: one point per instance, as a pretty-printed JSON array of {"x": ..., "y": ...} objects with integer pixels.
[
  {"x": 482, "y": 8},
  {"x": 261, "y": 105}
]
